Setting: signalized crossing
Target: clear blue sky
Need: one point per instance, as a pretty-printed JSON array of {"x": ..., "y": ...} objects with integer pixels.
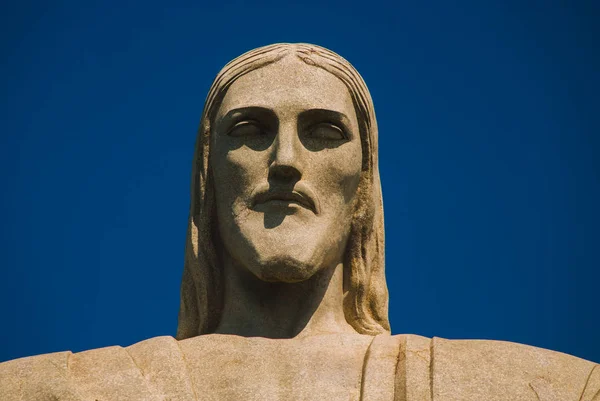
[{"x": 490, "y": 161}]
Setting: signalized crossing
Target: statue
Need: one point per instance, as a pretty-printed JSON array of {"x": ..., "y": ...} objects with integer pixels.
[{"x": 283, "y": 293}]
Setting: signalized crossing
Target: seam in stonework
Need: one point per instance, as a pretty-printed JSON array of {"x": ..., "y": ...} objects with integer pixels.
[
  {"x": 135, "y": 363},
  {"x": 535, "y": 392},
  {"x": 595, "y": 396},
  {"x": 59, "y": 369},
  {"x": 187, "y": 370},
  {"x": 396, "y": 368},
  {"x": 587, "y": 381},
  {"x": 68, "y": 372},
  {"x": 364, "y": 369},
  {"x": 72, "y": 389},
  {"x": 151, "y": 387},
  {"x": 431, "y": 366},
  {"x": 419, "y": 354}
]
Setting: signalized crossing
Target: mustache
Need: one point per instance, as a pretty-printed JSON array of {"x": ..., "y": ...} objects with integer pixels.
[{"x": 299, "y": 193}]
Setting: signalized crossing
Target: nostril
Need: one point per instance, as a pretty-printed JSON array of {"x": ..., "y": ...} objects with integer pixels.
[{"x": 284, "y": 172}]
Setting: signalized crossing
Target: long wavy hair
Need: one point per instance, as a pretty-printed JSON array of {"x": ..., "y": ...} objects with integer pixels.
[{"x": 365, "y": 288}]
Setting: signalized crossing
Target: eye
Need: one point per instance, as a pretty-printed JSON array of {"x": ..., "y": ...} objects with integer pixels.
[
  {"x": 326, "y": 131},
  {"x": 246, "y": 128}
]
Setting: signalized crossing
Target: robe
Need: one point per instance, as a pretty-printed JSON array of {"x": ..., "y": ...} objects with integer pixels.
[{"x": 326, "y": 367}]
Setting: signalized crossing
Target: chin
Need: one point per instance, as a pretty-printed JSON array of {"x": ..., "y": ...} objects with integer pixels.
[
  {"x": 284, "y": 269},
  {"x": 291, "y": 252}
]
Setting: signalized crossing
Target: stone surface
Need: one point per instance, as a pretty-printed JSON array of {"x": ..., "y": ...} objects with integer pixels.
[
  {"x": 283, "y": 295},
  {"x": 321, "y": 367}
]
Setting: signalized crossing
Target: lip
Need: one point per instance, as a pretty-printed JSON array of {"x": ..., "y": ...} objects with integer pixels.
[{"x": 301, "y": 196}]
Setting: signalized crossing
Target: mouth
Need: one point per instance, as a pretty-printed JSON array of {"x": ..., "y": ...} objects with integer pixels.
[{"x": 287, "y": 197}]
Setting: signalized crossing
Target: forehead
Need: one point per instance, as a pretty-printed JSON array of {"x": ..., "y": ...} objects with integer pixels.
[{"x": 289, "y": 85}]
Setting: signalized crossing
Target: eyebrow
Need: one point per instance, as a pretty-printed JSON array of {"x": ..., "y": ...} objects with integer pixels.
[
  {"x": 244, "y": 111},
  {"x": 267, "y": 112},
  {"x": 326, "y": 114}
]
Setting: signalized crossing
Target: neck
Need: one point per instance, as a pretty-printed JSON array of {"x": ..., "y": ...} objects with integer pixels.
[{"x": 255, "y": 308}]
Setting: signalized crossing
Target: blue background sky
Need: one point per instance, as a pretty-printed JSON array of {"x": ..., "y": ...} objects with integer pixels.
[{"x": 490, "y": 144}]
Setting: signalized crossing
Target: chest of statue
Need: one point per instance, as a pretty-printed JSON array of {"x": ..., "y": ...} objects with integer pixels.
[
  {"x": 321, "y": 367},
  {"x": 328, "y": 367}
]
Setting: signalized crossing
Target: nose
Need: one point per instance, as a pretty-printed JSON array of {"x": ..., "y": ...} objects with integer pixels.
[{"x": 286, "y": 163}]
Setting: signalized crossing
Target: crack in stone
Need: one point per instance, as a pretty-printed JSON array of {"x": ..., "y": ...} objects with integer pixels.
[
  {"x": 431, "y": 367},
  {"x": 534, "y": 392},
  {"x": 587, "y": 381},
  {"x": 187, "y": 370},
  {"x": 364, "y": 369}
]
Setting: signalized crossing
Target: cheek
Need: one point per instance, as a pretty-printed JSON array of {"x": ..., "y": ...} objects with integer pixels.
[
  {"x": 341, "y": 175},
  {"x": 234, "y": 171}
]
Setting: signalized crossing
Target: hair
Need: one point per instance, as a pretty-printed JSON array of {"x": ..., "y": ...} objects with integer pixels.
[{"x": 365, "y": 290}]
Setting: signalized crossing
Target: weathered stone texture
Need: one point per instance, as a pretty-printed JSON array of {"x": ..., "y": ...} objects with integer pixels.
[{"x": 328, "y": 367}]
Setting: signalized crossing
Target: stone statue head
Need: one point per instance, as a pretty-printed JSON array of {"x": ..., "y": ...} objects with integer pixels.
[{"x": 285, "y": 181}]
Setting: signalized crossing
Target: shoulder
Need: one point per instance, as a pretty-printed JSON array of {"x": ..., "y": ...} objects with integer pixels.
[
  {"x": 147, "y": 370},
  {"x": 33, "y": 377},
  {"x": 493, "y": 370}
]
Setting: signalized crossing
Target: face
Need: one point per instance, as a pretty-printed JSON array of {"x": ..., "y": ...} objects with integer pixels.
[{"x": 286, "y": 160}]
